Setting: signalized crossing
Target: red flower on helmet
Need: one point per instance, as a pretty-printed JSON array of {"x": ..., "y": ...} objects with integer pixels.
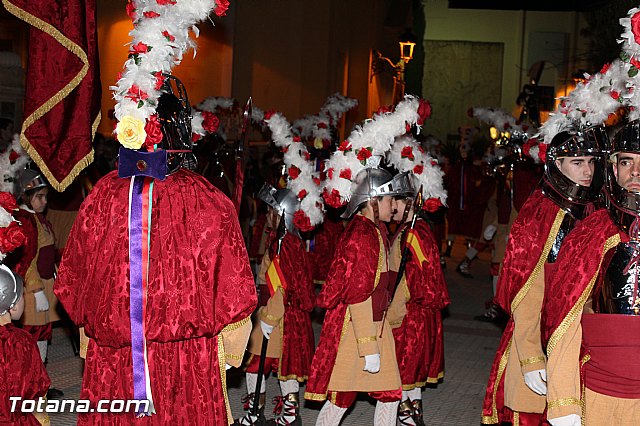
[
  {"x": 345, "y": 174},
  {"x": 153, "y": 130},
  {"x": 131, "y": 11},
  {"x": 268, "y": 114},
  {"x": 407, "y": 152},
  {"x": 605, "y": 68},
  {"x": 542, "y": 153},
  {"x": 11, "y": 237},
  {"x": 418, "y": 169},
  {"x": 635, "y": 27},
  {"x": 151, "y": 14},
  {"x": 8, "y": 202},
  {"x": 431, "y": 205},
  {"x": 210, "y": 122},
  {"x": 424, "y": 111},
  {"x": 302, "y": 221},
  {"x": 159, "y": 80},
  {"x": 168, "y": 36},
  {"x": 135, "y": 94},
  {"x": 364, "y": 153},
  {"x": 139, "y": 47},
  {"x": 306, "y": 155},
  {"x": 221, "y": 7},
  {"x": 293, "y": 172},
  {"x": 303, "y": 193},
  {"x": 344, "y": 146},
  {"x": 165, "y": 2},
  {"x": 296, "y": 138},
  {"x": 333, "y": 198},
  {"x": 316, "y": 181},
  {"x": 13, "y": 156},
  {"x": 615, "y": 95},
  {"x": 383, "y": 109},
  {"x": 322, "y": 125},
  {"x": 330, "y": 173}
]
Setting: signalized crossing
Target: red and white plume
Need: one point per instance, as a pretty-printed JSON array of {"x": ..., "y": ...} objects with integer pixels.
[
  {"x": 368, "y": 144},
  {"x": 11, "y": 235},
  {"x": 13, "y": 159},
  {"x": 300, "y": 171}
]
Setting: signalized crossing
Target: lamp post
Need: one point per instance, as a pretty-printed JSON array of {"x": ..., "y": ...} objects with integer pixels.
[{"x": 380, "y": 64}]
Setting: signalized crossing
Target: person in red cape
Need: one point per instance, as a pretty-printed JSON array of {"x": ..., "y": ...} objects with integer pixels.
[
  {"x": 356, "y": 353},
  {"x": 415, "y": 312},
  {"x": 590, "y": 328},
  {"x": 325, "y": 242},
  {"x": 286, "y": 298},
  {"x": 156, "y": 271},
  {"x": 516, "y": 387}
]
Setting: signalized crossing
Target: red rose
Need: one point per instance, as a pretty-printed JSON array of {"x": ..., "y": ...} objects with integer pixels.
[
  {"x": 168, "y": 36},
  {"x": 316, "y": 181},
  {"x": 8, "y": 202},
  {"x": 432, "y": 205},
  {"x": 135, "y": 94},
  {"x": 131, "y": 11},
  {"x": 195, "y": 137},
  {"x": 330, "y": 173},
  {"x": 407, "y": 152},
  {"x": 307, "y": 156},
  {"x": 345, "y": 174},
  {"x": 526, "y": 147},
  {"x": 154, "y": 131},
  {"x": 159, "y": 80},
  {"x": 293, "y": 172},
  {"x": 268, "y": 115},
  {"x": 302, "y": 194},
  {"x": 165, "y": 2},
  {"x": 296, "y": 138},
  {"x": 344, "y": 146},
  {"x": 634, "y": 62},
  {"x": 434, "y": 163},
  {"x": 333, "y": 198},
  {"x": 635, "y": 27},
  {"x": 418, "y": 169},
  {"x": 210, "y": 122},
  {"x": 615, "y": 95},
  {"x": 424, "y": 111},
  {"x": 407, "y": 127},
  {"x": 605, "y": 68},
  {"x": 11, "y": 237},
  {"x": 383, "y": 110},
  {"x": 322, "y": 125},
  {"x": 364, "y": 153},
  {"x": 542, "y": 152},
  {"x": 221, "y": 7},
  {"x": 139, "y": 47},
  {"x": 301, "y": 221},
  {"x": 285, "y": 149},
  {"x": 13, "y": 156},
  {"x": 151, "y": 14}
]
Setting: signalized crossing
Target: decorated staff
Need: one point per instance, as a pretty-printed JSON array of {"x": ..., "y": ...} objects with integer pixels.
[
  {"x": 177, "y": 288},
  {"x": 421, "y": 294},
  {"x": 242, "y": 149}
]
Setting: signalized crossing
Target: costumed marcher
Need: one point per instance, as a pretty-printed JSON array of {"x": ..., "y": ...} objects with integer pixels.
[
  {"x": 36, "y": 261},
  {"x": 22, "y": 374},
  {"x": 155, "y": 267},
  {"x": 589, "y": 328},
  {"x": 356, "y": 352},
  {"x": 286, "y": 292},
  {"x": 571, "y": 183},
  {"x": 421, "y": 294}
]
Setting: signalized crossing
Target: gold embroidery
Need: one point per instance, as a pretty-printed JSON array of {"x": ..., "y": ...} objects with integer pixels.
[
  {"x": 55, "y": 99},
  {"x": 222, "y": 364},
  {"x": 493, "y": 419},
  {"x": 553, "y": 233},
  {"x": 233, "y": 357},
  {"x": 532, "y": 360},
  {"x": 516, "y": 418},
  {"x": 563, "y": 402},
  {"x": 367, "y": 339},
  {"x": 270, "y": 317},
  {"x": 236, "y": 325},
  {"x": 577, "y": 308}
]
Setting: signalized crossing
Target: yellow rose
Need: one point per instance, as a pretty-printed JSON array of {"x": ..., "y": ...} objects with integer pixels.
[{"x": 130, "y": 132}]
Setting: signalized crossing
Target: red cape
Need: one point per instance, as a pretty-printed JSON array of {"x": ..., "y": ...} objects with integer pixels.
[
  {"x": 199, "y": 283},
  {"x": 532, "y": 235},
  {"x": 352, "y": 278}
]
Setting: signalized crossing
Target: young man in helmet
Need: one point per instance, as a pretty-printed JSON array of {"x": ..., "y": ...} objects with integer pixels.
[
  {"x": 516, "y": 388},
  {"x": 589, "y": 328},
  {"x": 286, "y": 297},
  {"x": 23, "y": 374},
  {"x": 356, "y": 352}
]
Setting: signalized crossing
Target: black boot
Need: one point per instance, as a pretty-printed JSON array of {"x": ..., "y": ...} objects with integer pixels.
[
  {"x": 417, "y": 412},
  {"x": 250, "y": 419},
  {"x": 463, "y": 268},
  {"x": 405, "y": 413},
  {"x": 287, "y": 411},
  {"x": 492, "y": 314}
]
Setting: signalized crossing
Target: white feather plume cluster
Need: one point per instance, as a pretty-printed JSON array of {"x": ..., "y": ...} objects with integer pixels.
[
  {"x": 365, "y": 147},
  {"x": 630, "y": 45},
  {"x": 407, "y": 155},
  {"x": 502, "y": 120},
  {"x": 335, "y": 106},
  {"x": 160, "y": 36},
  {"x": 215, "y": 103},
  {"x": 319, "y": 126},
  {"x": 8, "y": 171},
  {"x": 591, "y": 102},
  {"x": 296, "y": 156}
]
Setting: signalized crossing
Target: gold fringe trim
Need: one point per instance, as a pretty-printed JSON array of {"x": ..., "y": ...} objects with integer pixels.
[
  {"x": 516, "y": 418},
  {"x": 576, "y": 310},
  {"x": 236, "y": 325},
  {"x": 563, "y": 402},
  {"x": 553, "y": 233},
  {"x": 493, "y": 419},
  {"x": 532, "y": 360},
  {"x": 222, "y": 364},
  {"x": 430, "y": 380},
  {"x": 43, "y": 109},
  {"x": 299, "y": 379}
]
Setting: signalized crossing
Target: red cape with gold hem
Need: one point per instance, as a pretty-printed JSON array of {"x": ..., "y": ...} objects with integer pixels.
[
  {"x": 351, "y": 280},
  {"x": 419, "y": 340},
  {"x": 200, "y": 283},
  {"x": 297, "y": 335},
  {"x": 532, "y": 235},
  {"x": 580, "y": 260}
]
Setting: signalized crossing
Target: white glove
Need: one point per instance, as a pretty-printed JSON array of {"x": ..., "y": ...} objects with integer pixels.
[
  {"x": 42, "y": 303},
  {"x": 489, "y": 232},
  {"x": 372, "y": 363},
  {"x": 568, "y": 420},
  {"x": 227, "y": 366},
  {"x": 537, "y": 381},
  {"x": 266, "y": 329}
]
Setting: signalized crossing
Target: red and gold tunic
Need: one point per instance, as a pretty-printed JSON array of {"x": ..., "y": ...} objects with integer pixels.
[
  {"x": 420, "y": 296},
  {"x": 199, "y": 299},
  {"x": 22, "y": 374},
  {"x": 325, "y": 242}
]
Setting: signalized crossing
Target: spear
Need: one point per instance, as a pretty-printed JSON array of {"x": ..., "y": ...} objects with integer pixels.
[{"x": 241, "y": 151}]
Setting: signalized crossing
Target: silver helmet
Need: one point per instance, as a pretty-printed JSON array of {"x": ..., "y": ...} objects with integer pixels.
[
  {"x": 370, "y": 183},
  {"x": 28, "y": 179},
  {"x": 11, "y": 286},
  {"x": 283, "y": 201}
]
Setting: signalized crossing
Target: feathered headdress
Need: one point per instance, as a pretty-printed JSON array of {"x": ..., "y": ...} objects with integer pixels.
[
  {"x": 300, "y": 169},
  {"x": 317, "y": 128},
  {"x": 11, "y": 161},
  {"x": 11, "y": 235},
  {"x": 367, "y": 145},
  {"x": 160, "y": 36}
]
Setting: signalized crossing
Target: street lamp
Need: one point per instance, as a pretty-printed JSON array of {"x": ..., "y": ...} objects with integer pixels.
[{"x": 380, "y": 64}]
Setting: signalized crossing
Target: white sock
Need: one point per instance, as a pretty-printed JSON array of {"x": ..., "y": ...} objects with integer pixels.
[
  {"x": 289, "y": 386},
  {"x": 471, "y": 253},
  {"x": 252, "y": 381},
  {"x": 414, "y": 394},
  {"x": 386, "y": 413},
  {"x": 42, "y": 347},
  {"x": 330, "y": 415},
  {"x": 405, "y": 395}
]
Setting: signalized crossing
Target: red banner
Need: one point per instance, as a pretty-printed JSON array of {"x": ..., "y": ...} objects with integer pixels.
[{"x": 63, "y": 92}]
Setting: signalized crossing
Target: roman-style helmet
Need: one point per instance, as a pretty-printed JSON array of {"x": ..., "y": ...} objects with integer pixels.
[
  {"x": 284, "y": 202},
  {"x": 11, "y": 286}
]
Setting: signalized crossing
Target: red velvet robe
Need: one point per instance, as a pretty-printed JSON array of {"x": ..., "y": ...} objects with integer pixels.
[
  {"x": 22, "y": 374},
  {"x": 351, "y": 280},
  {"x": 537, "y": 224},
  {"x": 20, "y": 259},
  {"x": 419, "y": 340},
  {"x": 298, "y": 343},
  {"x": 199, "y": 283},
  {"x": 325, "y": 241}
]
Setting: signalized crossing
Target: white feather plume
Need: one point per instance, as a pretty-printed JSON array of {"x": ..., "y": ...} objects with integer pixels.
[{"x": 8, "y": 170}]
